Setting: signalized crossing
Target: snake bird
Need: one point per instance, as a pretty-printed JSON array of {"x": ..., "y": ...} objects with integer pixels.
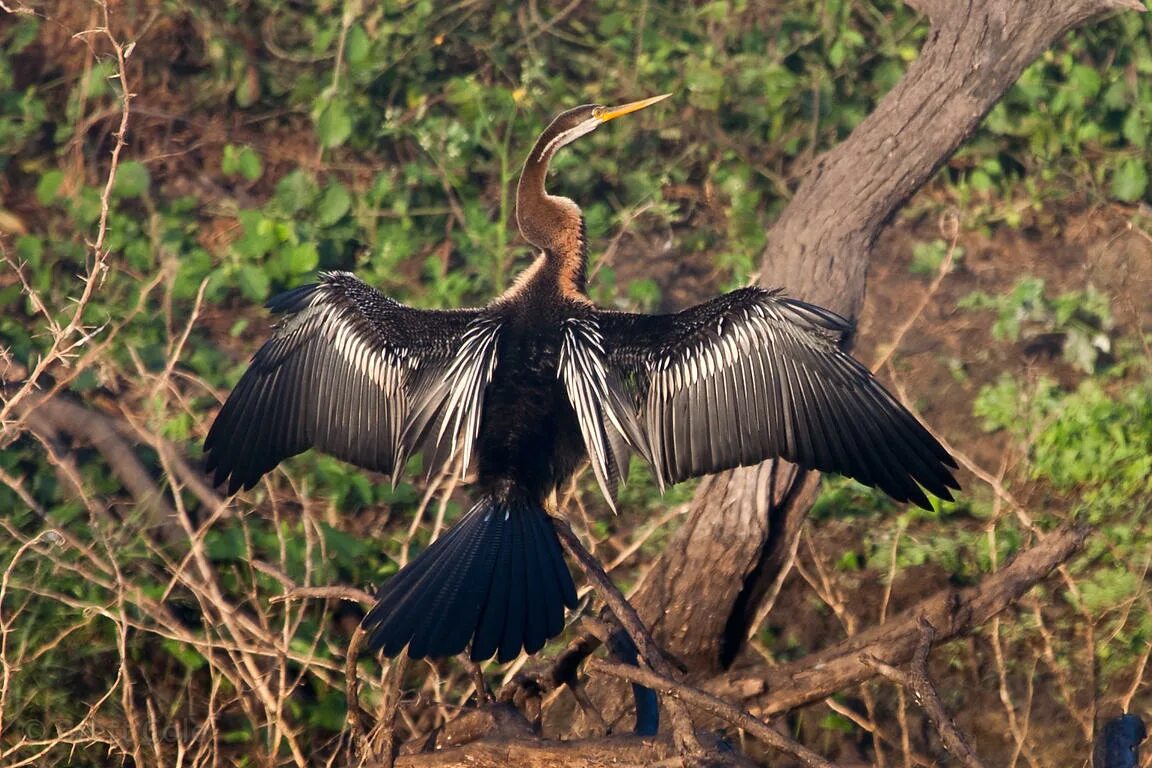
[{"x": 522, "y": 390}]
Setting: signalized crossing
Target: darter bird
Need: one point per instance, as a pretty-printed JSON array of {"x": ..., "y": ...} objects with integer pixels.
[{"x": 524, "y": 389}]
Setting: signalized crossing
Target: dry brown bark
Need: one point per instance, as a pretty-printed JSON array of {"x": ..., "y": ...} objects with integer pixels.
[
  {"x": 499, "y": 735},
  {"x": 704, "y": 594}
]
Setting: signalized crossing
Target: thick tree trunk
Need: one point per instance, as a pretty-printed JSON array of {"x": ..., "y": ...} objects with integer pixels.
[{"x": 705, "y": 594}]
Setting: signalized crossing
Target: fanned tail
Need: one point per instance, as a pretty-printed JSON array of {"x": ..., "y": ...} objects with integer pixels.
[{"x": 496, "y": 579}]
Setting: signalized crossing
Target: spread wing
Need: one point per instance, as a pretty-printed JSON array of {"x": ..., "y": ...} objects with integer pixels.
[
  {"x": 753, "y": 375},
  {"x": 355, "y": 374}
]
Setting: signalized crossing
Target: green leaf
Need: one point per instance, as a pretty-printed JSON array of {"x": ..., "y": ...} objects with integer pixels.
[
  {"x": 229, "y": 164},
  {"x": 23, "y": 34},
  {"x": 225, "y": 545},
  {"x": 96, "y": 83},
  {"x": 30, "y": 250},
  {"x": 356, "y": 45},
  {"x": 295, "y": 192},
  {"x": 48, "y": 188},
  {"x": 706, "y": 86},
  {"x": 259, "y": 236},
  {"x": 1135, "y": 128},
  {"x": 254, "y": 284},
  {"x": 1130, "y": 180},
  {"x": 300, "y": 259},
  {"x": 247, "y": 89},
  {"x": 837, "y": 53},
  {"x": 251, "y": 168},
  {"x": 242, "y": 161},
  {"x": 185, "y": 654},
  {"x": 1085, "y": 82},
  {"x": 343, "y": 547},
  {"x": 335, "y": 203},
  {"x": 334, "y": 126},
  {"x": 132, "y": 180},
  {"x": 979, "y": 181}
]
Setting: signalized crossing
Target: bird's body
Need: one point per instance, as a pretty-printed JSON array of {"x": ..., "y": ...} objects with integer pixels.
[
  {"x": 538, "y": 440},
  {"x": 523, "y": 390}
]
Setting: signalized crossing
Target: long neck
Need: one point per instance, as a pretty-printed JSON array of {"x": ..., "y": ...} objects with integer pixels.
[{"x": 553, "y": 224}]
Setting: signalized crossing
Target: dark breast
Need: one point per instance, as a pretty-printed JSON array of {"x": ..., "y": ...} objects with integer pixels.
[{"x": 528, "y": 429}]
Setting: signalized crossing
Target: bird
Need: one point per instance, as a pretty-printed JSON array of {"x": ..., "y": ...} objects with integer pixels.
[{"x": 519, "y": 392}]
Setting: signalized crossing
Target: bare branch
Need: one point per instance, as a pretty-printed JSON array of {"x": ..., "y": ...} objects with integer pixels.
[
  {"x": 713, "y": 705},
  {"x": 74, "y": 334},
  {"x": 498, "y": 749},
  {"x": 919, "y": 684},
  {"x": 952, "y": 612},
  {"x": 351, "y": 594},
  {"x": 682, "y": 729},
  {"x": 63, "y": 415}
]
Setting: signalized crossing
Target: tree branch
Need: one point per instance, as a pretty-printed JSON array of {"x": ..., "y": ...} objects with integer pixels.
[
  {"x": 953, "y": 612},
  {"x": 682, "y": 729},
  {"x": 54, "y": 415},
  {"x": 919, "y": 684},
  {"x": 712, "y": 705},
  {"x": 499, "y": 750}
]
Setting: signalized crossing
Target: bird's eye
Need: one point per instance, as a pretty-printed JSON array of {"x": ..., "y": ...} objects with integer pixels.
[{"x": 597, "y": 111}]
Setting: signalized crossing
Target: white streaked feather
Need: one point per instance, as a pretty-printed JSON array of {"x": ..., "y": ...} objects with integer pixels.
[
  {"x": 456, "y": 402},
  {"x": 598, "y": 405}
]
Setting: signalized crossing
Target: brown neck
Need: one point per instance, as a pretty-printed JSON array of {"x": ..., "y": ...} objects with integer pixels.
[{"x": 553, "y": 224}]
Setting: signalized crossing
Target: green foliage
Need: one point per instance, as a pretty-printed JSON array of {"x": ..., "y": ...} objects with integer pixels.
[
  {"x": 1082, "y": 110},
  {"x": 1088, "y": 446},
  {"x": 241, "y": 161},
  {"x": 928, "y": 257},
  {"x": 1081, "y": 319},
  {"x": 1090, "y": 443}
]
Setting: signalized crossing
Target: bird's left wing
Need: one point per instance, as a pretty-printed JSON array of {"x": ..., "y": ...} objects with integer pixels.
[
  {"x": 359, "y": 376},
  {"x": 753, "y": 375}
]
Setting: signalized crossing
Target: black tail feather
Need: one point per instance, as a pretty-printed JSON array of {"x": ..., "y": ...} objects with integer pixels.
[{"x": 497, "y": 578}]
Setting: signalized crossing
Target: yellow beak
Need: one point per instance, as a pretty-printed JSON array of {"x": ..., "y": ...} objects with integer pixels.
[{"x": 614, "y": 112}]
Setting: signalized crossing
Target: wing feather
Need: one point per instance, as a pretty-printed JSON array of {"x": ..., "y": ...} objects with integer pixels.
[
  {"x": 754, "y": 375},
  {"x": 359, "y": 376},
  {"x": 608, "y": 421}
]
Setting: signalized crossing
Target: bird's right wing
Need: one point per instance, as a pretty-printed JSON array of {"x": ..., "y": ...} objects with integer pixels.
[
  {"x": 753, "y": 375},
  {"x": 358, "y": 376}
]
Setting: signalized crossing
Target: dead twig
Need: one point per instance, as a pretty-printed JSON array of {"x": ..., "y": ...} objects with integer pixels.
[
  {"x": 351, "y": 594},
  {"x": 74, "y": 334},
  {"x": 48, "y": 416},
  {"x": 713, "y": 705},
  {"x": 950, "y": 228},
  {"x": 683, "y": 731},
  {"x": 380, "y": 742},
  {"x": 919, "y": 684}
]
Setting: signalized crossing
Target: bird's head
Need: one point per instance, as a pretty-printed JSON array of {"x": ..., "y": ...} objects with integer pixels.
[
  {"x": 555, "y": 223},
  {"x": 579, "y": 121}
]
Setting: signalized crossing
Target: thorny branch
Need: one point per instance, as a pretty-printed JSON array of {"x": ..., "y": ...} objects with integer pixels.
[{"x": 75, "y": 334}]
